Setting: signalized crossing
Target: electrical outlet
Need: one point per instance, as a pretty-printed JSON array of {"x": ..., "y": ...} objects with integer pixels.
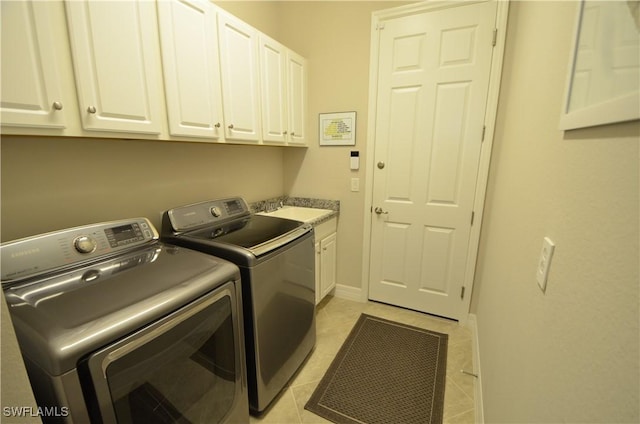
[{"x": 544, "y": 263}]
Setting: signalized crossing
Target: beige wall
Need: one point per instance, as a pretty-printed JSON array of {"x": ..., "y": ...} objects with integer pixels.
[
  {"x": 570, "y": 354},
  {"x": 53, "y": 183}
]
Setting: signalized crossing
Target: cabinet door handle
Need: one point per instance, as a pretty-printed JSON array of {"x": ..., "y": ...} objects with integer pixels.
[
  {"x": 91, "y": 109},
  {"x": 293, "y": 134},
  {"x": 217, "y": 125},
  {"x": 284, "y": 133},
  {"x": 57, "y": 105},
  {"x": 231, "y": 126}
]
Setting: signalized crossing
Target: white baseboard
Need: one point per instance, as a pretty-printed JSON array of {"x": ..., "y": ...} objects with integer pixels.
[
  {"x": 472, "y": 322},
  {"x": 349, "y": 293}
]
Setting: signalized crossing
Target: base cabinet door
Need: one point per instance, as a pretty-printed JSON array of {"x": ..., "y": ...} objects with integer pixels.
[
  {"x": 328, "y": 264},
  {"x": 118, "y": 72},
  {"x": 325, "y": 266},
  {"x": 31, "y": 90}
]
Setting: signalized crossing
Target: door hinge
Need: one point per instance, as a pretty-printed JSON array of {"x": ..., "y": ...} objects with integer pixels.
[
  {"x": 462, "y": 293},
  {"x": 484, "y": 130},
  {"x": 380, "y": 26},
  {"x": 473, "y": 214},
  {"x": 495, "y": 36}
]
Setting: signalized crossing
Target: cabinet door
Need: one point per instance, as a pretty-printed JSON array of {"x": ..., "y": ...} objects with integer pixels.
[
  {"x": 189, "y": 44},
  {"x": 273, "y": 68},
  {"x": 117, "y": 64},
  {"x": 297, "y": 98},
  {"x": 327, "y": 264},
  {"x": 318, "y": 263},
  {"x": 31, "y": 90},
  {"x": 240, "y": 78}
]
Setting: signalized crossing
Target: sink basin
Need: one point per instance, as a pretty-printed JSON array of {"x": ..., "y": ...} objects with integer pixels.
[{"x": 298, "y": 213}]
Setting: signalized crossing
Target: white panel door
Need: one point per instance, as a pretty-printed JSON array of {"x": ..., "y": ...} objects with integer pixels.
[
  {"x": 117, "y": 64},
  {"x": 297, "y": 94},
  {"x": 31, "y": 95},
  {"x": 273, "y": 68},
  {"x": 189, "y": 41},
  {"x": 240, "y": 78},
  {"x": 432, "y": 90}
]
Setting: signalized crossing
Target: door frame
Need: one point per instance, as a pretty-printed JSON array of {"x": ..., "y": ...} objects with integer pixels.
[{"x": 378, "y": 18}]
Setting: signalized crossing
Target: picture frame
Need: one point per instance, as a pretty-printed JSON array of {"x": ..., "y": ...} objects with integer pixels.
[
  {"x": 608, "y": 28},
  {"x": 337, "y": 129}
]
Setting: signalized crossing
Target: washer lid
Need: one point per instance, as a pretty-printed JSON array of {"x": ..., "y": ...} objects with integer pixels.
[
  {"x": 249, "y": 232},
  {"x": 63, "y": 317}
]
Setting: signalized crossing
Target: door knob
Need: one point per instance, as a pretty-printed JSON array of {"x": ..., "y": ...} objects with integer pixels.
[
  {"x": 379, "y": 211},
  {"x": 380, "y": 165}
]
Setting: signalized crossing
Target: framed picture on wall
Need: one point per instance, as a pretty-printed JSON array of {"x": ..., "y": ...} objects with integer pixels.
[{"x": 337, "y": 129}]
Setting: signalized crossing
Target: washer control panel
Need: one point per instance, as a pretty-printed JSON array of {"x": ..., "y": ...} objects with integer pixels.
[{"x": 39, "y": 254}]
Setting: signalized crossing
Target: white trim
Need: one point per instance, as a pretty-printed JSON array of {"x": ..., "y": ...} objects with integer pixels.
[
  {"x": 472, "y": 323},
  {"x": 485, "y": 155},
  {"x": 420, "y": 7},
  {"x": 371, "y": 128},
  {"x": 349, "y": 293}
]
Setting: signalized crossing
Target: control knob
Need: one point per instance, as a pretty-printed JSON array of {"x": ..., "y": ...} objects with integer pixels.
[
  {"x": 215, "y": 211},
  {"x": 84, "y": 244}
]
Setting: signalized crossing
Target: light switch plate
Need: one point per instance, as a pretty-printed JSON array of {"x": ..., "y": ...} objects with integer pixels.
[
  {"x": 544, "y": 263},
  {"x": 355, "y": 184}
]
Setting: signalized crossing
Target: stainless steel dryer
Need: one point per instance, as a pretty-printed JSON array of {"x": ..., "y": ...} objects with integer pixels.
[
  {"x": 277, "y": 265},
  {"x": 117, "y": 327}
]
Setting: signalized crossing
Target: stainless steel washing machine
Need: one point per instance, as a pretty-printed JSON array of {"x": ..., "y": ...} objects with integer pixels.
[
  {"x": 277, "y": 265},
  {"x": 117, "y": 327}
]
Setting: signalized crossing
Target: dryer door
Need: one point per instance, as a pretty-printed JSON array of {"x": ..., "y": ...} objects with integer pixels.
[{"x": 187, "y": 367}]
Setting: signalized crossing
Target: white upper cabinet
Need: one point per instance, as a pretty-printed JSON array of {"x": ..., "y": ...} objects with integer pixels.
[
  {"x": 284, "y": 93},
  {"x": 116, "y": 59},
  {"x": 240, "y": 78},
  {"x": 273, "y": 68},
  {"x": 31, "y": 88},
  {"x": 169, "y": 69},
  {"x": 189, "y": 41},
  {"x": 297, "y": 98}
]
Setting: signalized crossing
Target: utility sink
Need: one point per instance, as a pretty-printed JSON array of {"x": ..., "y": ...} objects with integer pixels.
[{"x": 299, "y": 213}]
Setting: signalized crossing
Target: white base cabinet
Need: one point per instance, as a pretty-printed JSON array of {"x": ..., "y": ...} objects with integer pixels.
[{"x": 325, "y": 244}]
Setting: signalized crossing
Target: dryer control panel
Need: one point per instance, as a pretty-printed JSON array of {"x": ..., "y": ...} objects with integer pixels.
[
  {"x": 46, "y": 252},
  {"x": 212, "y": 212}
]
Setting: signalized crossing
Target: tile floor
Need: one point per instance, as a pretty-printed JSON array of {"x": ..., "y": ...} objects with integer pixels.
[{"x": 334, "y": 319}]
